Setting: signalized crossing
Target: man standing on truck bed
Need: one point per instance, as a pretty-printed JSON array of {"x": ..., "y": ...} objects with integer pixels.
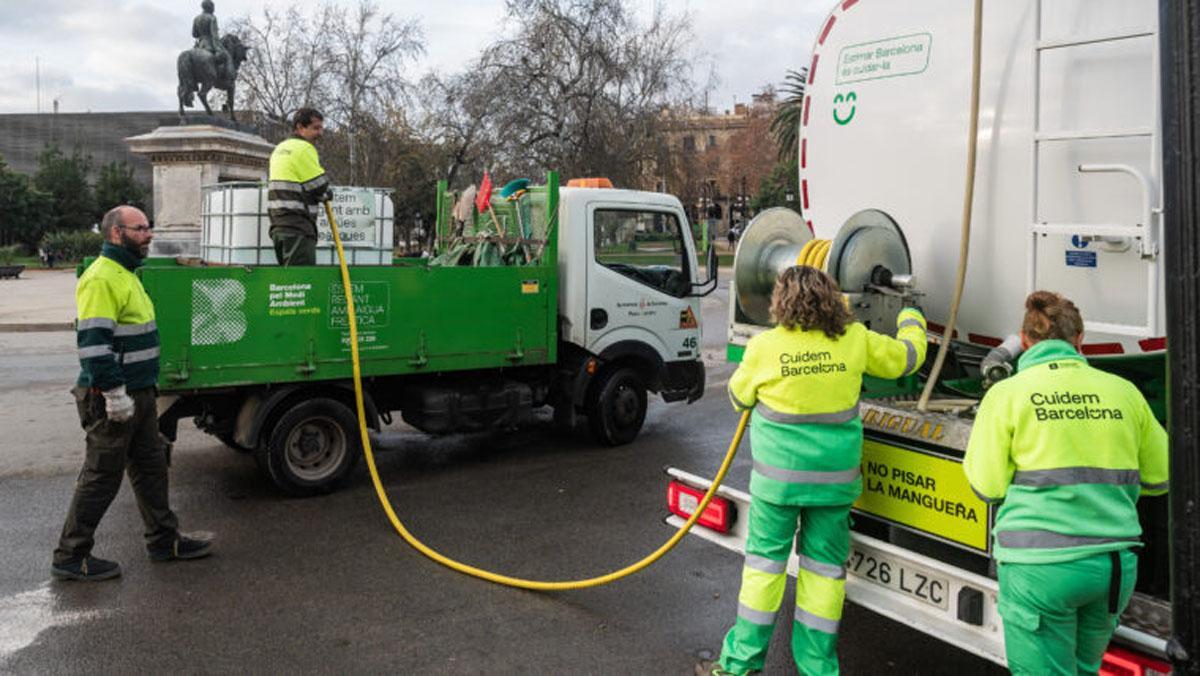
[
  {"x": 298, "y": 186},
  {"x": 115, "y": 395},
  {"x": 1069, "y": 449}
]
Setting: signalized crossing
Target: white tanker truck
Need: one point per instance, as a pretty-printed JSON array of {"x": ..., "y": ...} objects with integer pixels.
[{"x": 1067, "y": 196}]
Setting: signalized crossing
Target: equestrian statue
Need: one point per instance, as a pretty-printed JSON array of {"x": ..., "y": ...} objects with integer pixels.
[{"x": 212, "y": 63}]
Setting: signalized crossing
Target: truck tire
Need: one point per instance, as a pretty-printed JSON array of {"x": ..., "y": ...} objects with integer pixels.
[
  {"x": 617, "y": 407},
  {"x": 312, "y": 447}
]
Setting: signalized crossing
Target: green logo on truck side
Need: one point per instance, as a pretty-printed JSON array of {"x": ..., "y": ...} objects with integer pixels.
[
  {"x": 218, "y": 317},
  {"x": 840, "y": 103},
  {"x": 891, "y": 57}
]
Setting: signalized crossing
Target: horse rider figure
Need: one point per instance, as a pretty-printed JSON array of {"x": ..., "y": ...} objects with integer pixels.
[{"x": 208, "y": 38}]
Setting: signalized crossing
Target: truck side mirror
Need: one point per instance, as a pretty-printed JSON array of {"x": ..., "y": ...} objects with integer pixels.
[{"x": 709, "y": 285}]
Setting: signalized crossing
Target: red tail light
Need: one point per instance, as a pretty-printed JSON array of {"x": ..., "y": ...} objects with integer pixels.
[
  {"x": 1118, "y": 662},
  {"x": 682, "y": 500}
]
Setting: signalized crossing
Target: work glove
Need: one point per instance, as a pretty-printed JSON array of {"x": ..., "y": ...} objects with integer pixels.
[{"x": 118, "y": 405}]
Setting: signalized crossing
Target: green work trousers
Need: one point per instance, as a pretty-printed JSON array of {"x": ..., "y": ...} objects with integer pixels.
[
  {"x": 822, "y": 537},
  {"x": 1056, "y": 618},
  {"x": 113, "y": 449},
  {"x": 293, "y": 248}
]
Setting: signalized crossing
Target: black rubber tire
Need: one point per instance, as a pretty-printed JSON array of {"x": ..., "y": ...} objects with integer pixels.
[
  {"x": 617, "y": 408},
  {"x": 312, "y": 448}
]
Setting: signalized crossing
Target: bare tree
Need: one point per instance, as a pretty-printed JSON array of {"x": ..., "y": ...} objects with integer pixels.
[
  {"x": 348, "y": 63},
  {"x": 367, "y": 54},
  {"x": 288, "y": 63},
  {"x": 574, "y": 85},
  {"x": 458, "y": 116}
]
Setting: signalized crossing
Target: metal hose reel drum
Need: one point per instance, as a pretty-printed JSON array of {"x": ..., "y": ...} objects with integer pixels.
[
  {"x": 869, "y": 251},
  {"x": 771, "y": 244}
]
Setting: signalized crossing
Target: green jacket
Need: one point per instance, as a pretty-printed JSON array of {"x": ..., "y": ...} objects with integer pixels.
[
  {"x": 115, "y": 330},
  {"x": 806, "y": 433},
  {"x": 297, "y": 187},
  {"x": 1068, "y": 448}
]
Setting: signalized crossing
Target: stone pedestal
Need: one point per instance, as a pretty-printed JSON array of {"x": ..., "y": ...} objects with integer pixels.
[{"x": 185, "y": 159}]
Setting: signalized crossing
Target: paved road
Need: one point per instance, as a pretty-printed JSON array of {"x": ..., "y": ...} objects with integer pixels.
[{"x": 324, "y": 585}]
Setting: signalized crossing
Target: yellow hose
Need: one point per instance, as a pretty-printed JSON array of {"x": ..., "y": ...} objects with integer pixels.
[
  {"x": 522, "y": 583},
  {"x": 814, "y": 252}
]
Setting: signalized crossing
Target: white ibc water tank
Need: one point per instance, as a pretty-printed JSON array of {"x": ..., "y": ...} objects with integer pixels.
[
  {"x": 235, "y": 227},
  {"x": 1069, "y": 157}
]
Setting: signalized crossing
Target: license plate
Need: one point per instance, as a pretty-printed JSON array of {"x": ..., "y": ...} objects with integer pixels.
[{"x": 899, "y": 576}]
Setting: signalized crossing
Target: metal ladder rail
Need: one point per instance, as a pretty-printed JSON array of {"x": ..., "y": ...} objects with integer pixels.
[{"x": 1145, "y": 231}]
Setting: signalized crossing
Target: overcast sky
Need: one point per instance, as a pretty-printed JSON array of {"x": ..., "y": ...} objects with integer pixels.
[{"x": 110, "y": 55}]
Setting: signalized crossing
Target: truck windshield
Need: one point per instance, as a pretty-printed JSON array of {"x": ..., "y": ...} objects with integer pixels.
[{"x": 644, "y": 245}]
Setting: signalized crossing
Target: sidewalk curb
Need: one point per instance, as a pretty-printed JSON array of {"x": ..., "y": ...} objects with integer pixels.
[{"x": 37, "y": 327}]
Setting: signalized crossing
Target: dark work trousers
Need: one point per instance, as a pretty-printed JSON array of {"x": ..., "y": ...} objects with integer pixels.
[
  {"x": 292, "y": 248},
  {"x": 133, "y": 446}
]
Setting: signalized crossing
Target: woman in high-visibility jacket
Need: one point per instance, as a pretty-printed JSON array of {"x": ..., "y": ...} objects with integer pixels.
[
  {"x": 803, "y": 380},
  {"x": 1069, "y": 449}
]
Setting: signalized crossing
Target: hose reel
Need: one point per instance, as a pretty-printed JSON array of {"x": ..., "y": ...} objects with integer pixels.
[{"x": 869, "y": 255}]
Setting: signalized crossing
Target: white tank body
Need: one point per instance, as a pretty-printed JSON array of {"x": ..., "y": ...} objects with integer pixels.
[{"x": 885, "y": 127}]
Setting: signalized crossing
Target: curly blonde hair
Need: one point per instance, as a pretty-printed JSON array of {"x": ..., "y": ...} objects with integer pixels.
[
  {"x": 1049, "y": 315},
  {"x": 807, "y": 297}
]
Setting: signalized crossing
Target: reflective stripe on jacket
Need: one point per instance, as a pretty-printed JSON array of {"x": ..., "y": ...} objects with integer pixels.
[
  {"x": 115, "y": 330},
  {"x": 806, "y": 434},
  {"x": 1068, "y": 448},
  {"x": 297, "y": 186}
]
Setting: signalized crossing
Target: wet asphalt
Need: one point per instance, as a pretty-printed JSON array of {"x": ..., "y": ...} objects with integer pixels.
[{"x": 323, "y": 584}]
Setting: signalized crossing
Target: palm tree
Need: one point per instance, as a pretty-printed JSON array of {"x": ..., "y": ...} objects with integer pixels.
[{"x": 785, "y": 128}]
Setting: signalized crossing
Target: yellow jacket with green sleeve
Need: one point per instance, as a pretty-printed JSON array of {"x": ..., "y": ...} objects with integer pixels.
[
  {"x": 1068, "y": 448},
  {"x": 298, "y": 184},
  {"x": 115, "y": 330},
  {"x": 806, "y": 434}
]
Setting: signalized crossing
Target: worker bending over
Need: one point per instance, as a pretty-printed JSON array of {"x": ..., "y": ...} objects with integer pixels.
[
  {"x": 1068, "y": 448},
  {"x": 803, "y": 379}
]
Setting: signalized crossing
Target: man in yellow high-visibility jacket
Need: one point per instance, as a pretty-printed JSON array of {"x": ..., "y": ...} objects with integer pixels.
[
  {"x": 803, "y": 380},
  {"x": 298, "y": 185},
  {"x": 115, "y": 394}
]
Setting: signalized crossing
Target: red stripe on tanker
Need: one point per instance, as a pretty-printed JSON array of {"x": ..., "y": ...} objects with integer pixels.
[
  {"x": 828, "y": 27},
  {"x": 1152, "y": 344},
  {"x": 1103, "y": 348}
]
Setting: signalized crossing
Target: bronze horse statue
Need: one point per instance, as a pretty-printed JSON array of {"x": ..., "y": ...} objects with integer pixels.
[{"x": 199, "y": 72}]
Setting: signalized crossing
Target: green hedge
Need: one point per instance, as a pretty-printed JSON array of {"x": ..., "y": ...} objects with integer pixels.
[
  {"x": 8, "y": 254},
  {"x": 73, "y": 245}
]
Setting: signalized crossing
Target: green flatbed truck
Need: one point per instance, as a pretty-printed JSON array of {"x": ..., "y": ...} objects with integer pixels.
[{"x": 259, "y": 356}]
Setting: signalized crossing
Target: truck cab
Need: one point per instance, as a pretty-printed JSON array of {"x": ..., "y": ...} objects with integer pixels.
[{"x": 630, "y": 286}]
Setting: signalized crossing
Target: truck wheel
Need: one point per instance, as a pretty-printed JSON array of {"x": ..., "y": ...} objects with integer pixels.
[
  {"x": 617, "y": 408},
  {"x": 312, "y": 447}
]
